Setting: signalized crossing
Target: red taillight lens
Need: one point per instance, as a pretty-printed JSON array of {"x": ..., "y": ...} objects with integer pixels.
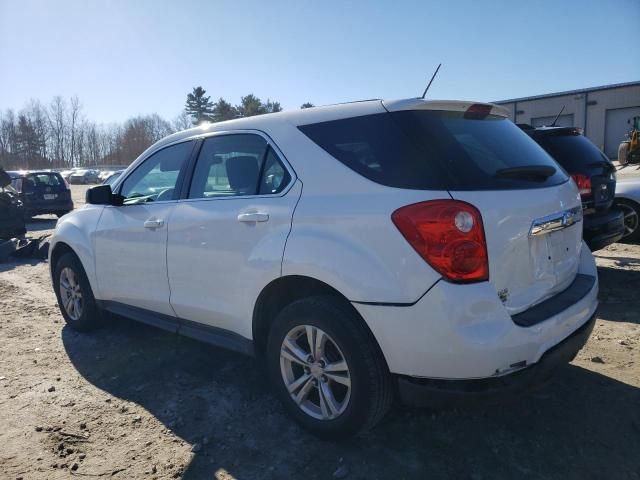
[
  {"x": 66, "y": 184},
  {"x": 584, "y": 184},
  {"x": 449, "y": 235}
]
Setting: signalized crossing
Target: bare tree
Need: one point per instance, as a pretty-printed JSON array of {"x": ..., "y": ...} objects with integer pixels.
[
  {"x": 56, "y": 116},
  {"x": 181, "y": 122}
]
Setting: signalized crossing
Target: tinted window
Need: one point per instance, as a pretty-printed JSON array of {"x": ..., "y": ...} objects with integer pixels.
[
  {"x": 574, "y": 152},
  {"x": 156, "y": 178},
  {"x": 39, "y": 181},
  {"x": 433, "y": 150},
  {"x": 228, "y": 165}
]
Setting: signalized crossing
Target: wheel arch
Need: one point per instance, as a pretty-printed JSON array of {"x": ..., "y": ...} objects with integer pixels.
[
  {"x": 60, "y": 248},
  {"x": 285, "y": 290}
]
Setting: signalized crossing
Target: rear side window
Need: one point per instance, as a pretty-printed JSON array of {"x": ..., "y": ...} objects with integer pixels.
[
  {"x": 429, "y": 150},
  {"x": 573, "y": 151}
]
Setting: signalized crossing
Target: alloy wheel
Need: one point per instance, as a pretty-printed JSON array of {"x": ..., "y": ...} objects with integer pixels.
[
  {"x": 70, "y": 293},
  {"x": 315, "y": 372},
  {"x": 630, "y": 219}
]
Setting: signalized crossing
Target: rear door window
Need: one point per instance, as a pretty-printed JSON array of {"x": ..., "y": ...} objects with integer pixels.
[
  {"x": 231, "y": 165},
  {"x": 434, "y": 150}
]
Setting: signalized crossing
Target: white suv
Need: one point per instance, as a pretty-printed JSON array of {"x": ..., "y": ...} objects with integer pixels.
[{"x": 362, "y": 249}]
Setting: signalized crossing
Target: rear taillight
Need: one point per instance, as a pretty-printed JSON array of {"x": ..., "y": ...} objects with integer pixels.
[
  {"x": 66, "y": 184},
  {"x": 584, "y": 184},
  {"x": 449, "y": 235}
]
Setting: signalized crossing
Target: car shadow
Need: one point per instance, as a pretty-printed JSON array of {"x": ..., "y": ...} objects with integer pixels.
[
  {"x": 580, "y": 425},
  {"x": 619, "y": 287}
]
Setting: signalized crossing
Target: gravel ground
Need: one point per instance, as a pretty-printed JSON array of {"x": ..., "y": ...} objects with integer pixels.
[{"x": 133, "y": 402}]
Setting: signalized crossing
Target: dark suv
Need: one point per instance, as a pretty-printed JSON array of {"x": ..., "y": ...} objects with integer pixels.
[
  {"x": 595, "y": 176},
  {"x": 42, "y": 192}
]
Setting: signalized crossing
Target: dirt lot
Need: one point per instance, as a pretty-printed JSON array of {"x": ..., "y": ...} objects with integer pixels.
[{"x": 131, "y": 402}]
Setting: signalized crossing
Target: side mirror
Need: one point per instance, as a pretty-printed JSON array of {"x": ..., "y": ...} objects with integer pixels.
[{"x": 100, "y": 195}]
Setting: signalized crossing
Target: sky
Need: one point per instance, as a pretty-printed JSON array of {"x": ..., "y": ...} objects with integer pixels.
[{"x": 128, "y": 57}]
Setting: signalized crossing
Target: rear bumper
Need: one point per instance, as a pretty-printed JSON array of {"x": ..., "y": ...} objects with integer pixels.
[
  {"x": 37, "y": 208},
  {"x": 463, "y": 332},
  {"x": 428, "y": 392},
  {"x": 602, "y": 229}
]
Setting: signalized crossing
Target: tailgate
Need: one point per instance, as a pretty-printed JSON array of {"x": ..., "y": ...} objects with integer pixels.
[{"x": 533, "y": 241}]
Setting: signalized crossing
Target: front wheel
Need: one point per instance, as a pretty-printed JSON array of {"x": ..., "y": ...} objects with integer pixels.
[
  {"x": 75, "y": 298},
  {"x": 327, "y": 369}
]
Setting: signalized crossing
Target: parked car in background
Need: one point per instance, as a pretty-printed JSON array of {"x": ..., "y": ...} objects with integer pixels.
[
  {"x": 42, "y": 192},
  {"x": 11, "y": 209},
  {"x": 628, "y": 200},
  {"x": 111, "y": 179},
  {"x": 434, "y": 248},
  {"x": 67, "y": 173},
  {"x": 84, "y": 177},
  {"x": 595, "y": 177}
]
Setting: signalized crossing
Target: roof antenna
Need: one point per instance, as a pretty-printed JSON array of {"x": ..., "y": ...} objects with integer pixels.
[
  {"x": 434, "y": 76},
  {"x": 557, "y": 117}
]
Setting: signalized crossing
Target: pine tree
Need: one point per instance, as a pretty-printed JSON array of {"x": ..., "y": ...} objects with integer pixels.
[
  {"x": 199, "y": 106},
  {"x": 223, "y": 110},
  {"x": 307, "y": 105}
]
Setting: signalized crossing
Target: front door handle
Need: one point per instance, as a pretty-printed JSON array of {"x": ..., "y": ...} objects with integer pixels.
[
  {"x": 253, "y": 217},
  {"x": 154, "y": 223}
]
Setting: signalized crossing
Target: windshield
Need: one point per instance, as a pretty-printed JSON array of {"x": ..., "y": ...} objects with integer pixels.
[{"x": 435, "y": 150}]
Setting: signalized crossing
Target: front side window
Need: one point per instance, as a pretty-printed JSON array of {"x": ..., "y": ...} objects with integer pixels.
[
  {"x": 237, "y": 165},
  {"x": 156, "y": 178}
]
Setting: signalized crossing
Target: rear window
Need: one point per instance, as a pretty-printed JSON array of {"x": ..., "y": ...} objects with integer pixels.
[
  {"x": 43, "y": 180},
  {"x": 573, "y": 151},
  {"x": 433, "y": 150}
]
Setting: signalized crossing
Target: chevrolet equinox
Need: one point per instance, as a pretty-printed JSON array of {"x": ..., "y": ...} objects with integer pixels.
[{"x": 361, "y": 251}]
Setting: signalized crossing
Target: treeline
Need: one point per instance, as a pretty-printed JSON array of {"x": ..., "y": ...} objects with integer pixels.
[{"x": 59, "y": 135}]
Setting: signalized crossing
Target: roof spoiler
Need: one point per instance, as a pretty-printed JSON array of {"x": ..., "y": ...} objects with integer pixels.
[{"x": 443, "y": 105}]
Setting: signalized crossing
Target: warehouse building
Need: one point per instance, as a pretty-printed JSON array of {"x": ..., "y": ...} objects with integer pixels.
[{"x": 603, "y": 113}]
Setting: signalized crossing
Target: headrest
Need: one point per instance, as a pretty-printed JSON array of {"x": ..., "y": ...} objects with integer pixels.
[{"x": 242, "y": 173}]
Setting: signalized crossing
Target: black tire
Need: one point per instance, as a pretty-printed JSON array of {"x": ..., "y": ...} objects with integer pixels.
[
  {"x": 628, "y": 207},
  {"x": 60, "y": 214},
  {"x": 372, "y": 389},
  {"x": 90, "y": 317}
]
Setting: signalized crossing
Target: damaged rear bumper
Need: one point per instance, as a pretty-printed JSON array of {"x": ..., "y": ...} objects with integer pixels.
[{"x": 434, "y": 392}]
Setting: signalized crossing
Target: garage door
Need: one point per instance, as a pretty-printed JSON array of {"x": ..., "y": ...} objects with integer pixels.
[
  {"x": 563, "y": 121},
  {"x": 617, "y": 125}
]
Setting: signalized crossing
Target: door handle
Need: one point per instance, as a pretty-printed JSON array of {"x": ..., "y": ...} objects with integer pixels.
[
  {"x": 154, "y": 223},
  {"x": 253, "y": 217}
]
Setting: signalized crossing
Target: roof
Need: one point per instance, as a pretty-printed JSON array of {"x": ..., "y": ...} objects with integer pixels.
[
  {"x": 570, "y": 92},
  {"x": 322, "y": 114},
  {"x": 305, "y": 116}
]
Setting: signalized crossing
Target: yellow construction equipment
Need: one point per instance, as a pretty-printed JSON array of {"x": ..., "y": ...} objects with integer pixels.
[{"x": 629, "y": 149}]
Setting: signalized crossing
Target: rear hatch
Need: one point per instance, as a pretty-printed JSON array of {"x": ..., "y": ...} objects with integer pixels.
[
  {"x": 591, "y": 169},
  {"x": 45, "y": 187},
  {"x": 530, "y": 210}
]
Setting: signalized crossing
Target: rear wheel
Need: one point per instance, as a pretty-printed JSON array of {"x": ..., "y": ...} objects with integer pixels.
[
  {"x": 75, "y": 298},
  {"x": 631, "y": 219},
  {"x": 327, "y": 369},
  {"x": 60, "y": 214}
]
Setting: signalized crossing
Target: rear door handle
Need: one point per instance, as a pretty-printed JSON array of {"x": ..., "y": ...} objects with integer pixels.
[
  {"x": 154, "y": 223},
  {"x": 253, "y": 217}
]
